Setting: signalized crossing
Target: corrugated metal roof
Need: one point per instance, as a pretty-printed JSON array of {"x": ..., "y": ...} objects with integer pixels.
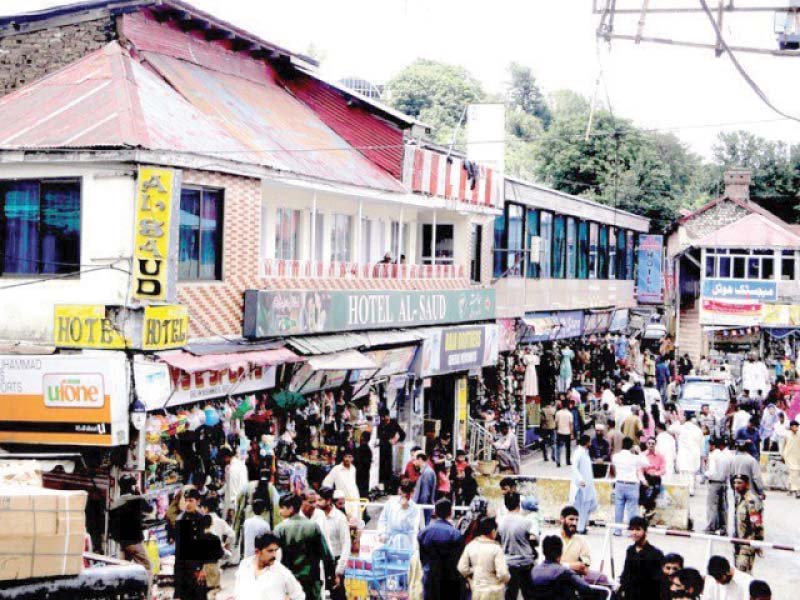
[
  {"x": 391, "y": 338},
  {"x": 327, "y": 344},
  {"x": 108, "y": 99}
]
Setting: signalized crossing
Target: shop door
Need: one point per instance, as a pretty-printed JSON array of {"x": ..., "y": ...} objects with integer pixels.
[{"x": 440, "y": 406}]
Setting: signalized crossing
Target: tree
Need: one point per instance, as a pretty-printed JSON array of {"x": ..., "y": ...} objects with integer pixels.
[
  {"x": 524, "y": 95},
  {"x": 775, "y": 167},
  {"x": 436, "y": 93}
]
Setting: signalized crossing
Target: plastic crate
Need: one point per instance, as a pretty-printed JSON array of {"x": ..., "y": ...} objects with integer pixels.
[{"x": 356, "y": 589}]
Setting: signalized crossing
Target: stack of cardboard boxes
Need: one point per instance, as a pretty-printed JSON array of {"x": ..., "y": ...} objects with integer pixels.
[{"x": 42, "y": 532}]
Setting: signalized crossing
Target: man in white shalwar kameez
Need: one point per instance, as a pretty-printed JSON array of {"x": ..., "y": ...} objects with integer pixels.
[
  {"x": 665, "y": 446},
  {"x": 582, "y": 494},
  {"x": 690, "y": 452}
]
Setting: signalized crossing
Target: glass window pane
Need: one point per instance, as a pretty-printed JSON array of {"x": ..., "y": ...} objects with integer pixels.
[
  {"x": 516, "y": 242},
  {"x": 319, "y": 228},
  {"x": 612, "y": 252},
  {"x": 583, "y": 250},
  {"x": 709, "y": 266},
  {"x": 571, "y": 248},
  {"x": 593, "y": 250},
  {"x": 531, "y": 231},
  {"x": 444, "y": 244},
  {"x": 738, "y": 267},
  {"x": 546, "y": 225},
  {"x": 787, "y": 269},
  {"x": 724, "y": 266},
  {"x": 499, "y": 243},
  {"x": 340, "y": 238},
  {"x": 209, "y": 242},
  {"x": 61, "y": 227},
  {"x": 559, "y": 247},
  {"x": 767, "y": 268},
  {"x": 752, "y": 268},
  {"x": 602, "y": 252},
  {"x": 21, "y": 228},
  {"x": 629, "y": 259},
  {"x": 188, "y": 265}
]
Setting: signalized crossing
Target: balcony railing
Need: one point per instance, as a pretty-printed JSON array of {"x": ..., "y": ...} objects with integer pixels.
[{"x": 311, "y": 269}]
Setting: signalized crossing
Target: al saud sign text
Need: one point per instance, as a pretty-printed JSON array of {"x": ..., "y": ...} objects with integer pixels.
[{"x": 270, "y": 313}]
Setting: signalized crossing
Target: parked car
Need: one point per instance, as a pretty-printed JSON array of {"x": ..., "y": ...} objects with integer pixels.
[{"x": 696, "y": 391}]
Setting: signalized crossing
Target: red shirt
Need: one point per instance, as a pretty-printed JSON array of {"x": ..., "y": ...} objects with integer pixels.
[
  {"x": 411, "y": 472},
  {"x": 656, "y": 464}
]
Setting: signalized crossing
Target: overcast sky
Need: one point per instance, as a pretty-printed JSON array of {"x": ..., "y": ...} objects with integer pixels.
[{"x": 656, "y": 86}]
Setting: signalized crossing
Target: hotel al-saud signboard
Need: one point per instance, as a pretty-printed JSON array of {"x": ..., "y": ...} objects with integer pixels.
[{"x": 277, "y": 313}]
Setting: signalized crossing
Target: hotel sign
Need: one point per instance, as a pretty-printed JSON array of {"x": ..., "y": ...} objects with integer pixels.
[
  {"x": 273, "y": 313},
  {"x": 747, "y": 289}
]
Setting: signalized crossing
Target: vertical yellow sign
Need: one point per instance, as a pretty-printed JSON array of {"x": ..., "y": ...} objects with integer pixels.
[
  {"x": 152, "y": 236},
  {"x": 462, "y": 410}
]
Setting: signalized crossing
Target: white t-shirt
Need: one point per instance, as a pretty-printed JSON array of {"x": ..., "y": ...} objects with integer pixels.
[
  {"x": 253, "y": 527},
  {"x": 627, "y": 465},
  {"x": 737, "y": 589},
  {"x": 276, "y": 581}
]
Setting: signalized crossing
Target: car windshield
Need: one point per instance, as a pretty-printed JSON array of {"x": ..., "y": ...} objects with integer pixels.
[{"x": 706, "y": 391}]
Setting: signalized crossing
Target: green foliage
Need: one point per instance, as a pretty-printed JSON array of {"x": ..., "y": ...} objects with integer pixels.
[
  {"x": 435, "y": 93},
  {"x": 525, "y": 96}
]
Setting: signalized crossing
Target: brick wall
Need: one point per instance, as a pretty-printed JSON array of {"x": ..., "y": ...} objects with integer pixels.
[
  {"x": 216, "y": 307},
  {"x": 714, "y": 218},
  {"x": 29, "y": 56}
]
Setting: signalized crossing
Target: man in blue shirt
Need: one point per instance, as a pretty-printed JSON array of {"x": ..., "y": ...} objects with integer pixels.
[
  {"x": 750, "y": 433},
  {"x": 440, "y": 546},
  {"x": 425, "y": 491},
  {"x": 553, "y": 581}
]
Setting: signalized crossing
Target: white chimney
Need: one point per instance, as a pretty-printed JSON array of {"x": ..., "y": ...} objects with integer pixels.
[{"x": 486, "y": 132}]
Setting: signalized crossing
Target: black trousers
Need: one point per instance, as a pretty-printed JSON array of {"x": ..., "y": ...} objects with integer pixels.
[{"x": 520, "y": 582}]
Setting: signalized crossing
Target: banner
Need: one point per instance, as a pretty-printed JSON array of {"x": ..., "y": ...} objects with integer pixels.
[
  {"x": 748, "y": 289},
  {"x": 507, "y": 332},
  {"x": 86, "y": 326},
  {"x": 452, "y": 349},
  {"x": 649, "y": 278},
  {"x": 64, "y": 399},
  {"x": 736, "y": 313},
  {"x": 570, "y": 325},
  {"x": 781, "y": 315},
  {"x": 155, "y": 249},
  {"x": 280, "y": 313}
]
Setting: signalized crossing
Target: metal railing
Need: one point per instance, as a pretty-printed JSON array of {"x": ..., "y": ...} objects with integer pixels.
[
  {"x": 312, "y": 269},
  {"x": 480, "y": 440}
]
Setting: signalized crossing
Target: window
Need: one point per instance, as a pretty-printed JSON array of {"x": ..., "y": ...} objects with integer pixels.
[
  {"x": 559, "y": 247},
  {"x": 287, "y": 229},
  {"x": 340, "y": 238},
  {"x": 516, "y": 242},
  {"x": 622, "y": 266},
  {"x": 612, "y": 253},
  {"x": 602, "y": 252},
  {"x": 593, "y": 250},
  {"x": 200, "y": 253},
  {"x": 629, "y": 259},
  {"x": 373, "y": 241},
  {"x": 545, "y": 256},
  {"x": 40, "y": 227},
  {"x": 738, "y": 263},
  {"x": 443, "y": 254},
  {"x": 475, "y": 257},
  {"x": 399, "y": 244},
  {"x": 583, "y": 250},
  {"x": 571, "y": 248},
  {"x": 738, "y": 267},
  {"x": 499, "y": 245},
  {"x": 787, "y": 265},
  {"x": 532, "y": 231},
  {"x": 318, "y": 239}
]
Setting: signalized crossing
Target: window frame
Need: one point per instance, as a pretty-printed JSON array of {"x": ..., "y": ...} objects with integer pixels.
[
  {"x": 335, "y": 250},
  {"x": 428, "y": 259},
  {"x": 297, "y": 214},
  {"x": 76, "y": 265},
  {"x": 219, "y": 274}
]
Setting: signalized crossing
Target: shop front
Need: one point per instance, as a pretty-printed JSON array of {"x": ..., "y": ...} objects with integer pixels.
[{"x": 450, "y": 364}]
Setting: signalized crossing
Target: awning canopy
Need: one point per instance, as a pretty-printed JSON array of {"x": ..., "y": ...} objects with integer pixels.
[
  {"x": 327, "y": 344},
  {"x": 391, "y": 338},
  {"x": 541, "y": 325},
  {"x": 190, "y": 363},
  {"x": 348, "y": 360}
]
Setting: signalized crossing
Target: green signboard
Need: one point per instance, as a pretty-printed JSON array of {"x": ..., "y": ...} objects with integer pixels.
[{"x": 279, "y": 313}]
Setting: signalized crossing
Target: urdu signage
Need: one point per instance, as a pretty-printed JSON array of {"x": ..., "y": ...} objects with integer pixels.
[
  {"x": 740, "y": 289},
  {"x": 274, "y": 313}
]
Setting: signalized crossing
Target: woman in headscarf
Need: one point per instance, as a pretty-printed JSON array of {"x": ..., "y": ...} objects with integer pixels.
[{"x": 769, "y": 419}]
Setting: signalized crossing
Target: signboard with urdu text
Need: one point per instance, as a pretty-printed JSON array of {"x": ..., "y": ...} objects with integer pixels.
[
  {"x": 453, "y": 349},
  {"x": 278, "y": 313},
  {"x": 69, "y": 399},
  {"x": 753, "y": 290}
]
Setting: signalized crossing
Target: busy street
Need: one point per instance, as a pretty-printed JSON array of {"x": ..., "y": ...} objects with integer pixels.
[{"x": 408, "y": 300}]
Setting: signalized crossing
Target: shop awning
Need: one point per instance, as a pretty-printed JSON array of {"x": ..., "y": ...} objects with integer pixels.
[
  {"x": 391, "y": 338},
  {"x": 190, "y": 363},
  {"x": 327, "y": 344},
  {"x": 541, "y": 325},
  {"x": 348, "y": 360}
]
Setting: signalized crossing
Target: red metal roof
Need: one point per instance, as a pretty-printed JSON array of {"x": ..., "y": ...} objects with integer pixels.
[
  {"x": 231, "y": 106},
  {"x": 752, "y": 231}
]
